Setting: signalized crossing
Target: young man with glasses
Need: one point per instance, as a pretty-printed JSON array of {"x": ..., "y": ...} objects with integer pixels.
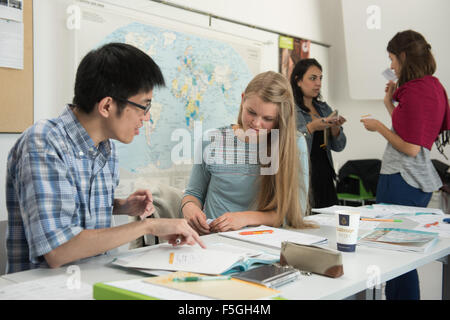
[{"x": 62, "y": 173}]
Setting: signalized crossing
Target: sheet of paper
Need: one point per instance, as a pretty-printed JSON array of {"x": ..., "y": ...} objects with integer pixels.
[
  {"x": 441, "y": 227},
  {"x": 61, "y": 287},
  {"x": 139, "y": 286},
  {"x": 397, "y": 209},
  {"x": 366, "y": 211},
  {"x": 11, "y": 44},
  {"x": 381, "y": 210},
  {"x": 275, "y": 238},
  {"x": 389, "y": 75},
  {"x": 182, "y": 258},
  {"x": 330, "y": 220}
]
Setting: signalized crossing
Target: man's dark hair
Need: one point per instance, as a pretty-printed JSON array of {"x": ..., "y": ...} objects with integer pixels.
[{"x": 114, "y": 70}]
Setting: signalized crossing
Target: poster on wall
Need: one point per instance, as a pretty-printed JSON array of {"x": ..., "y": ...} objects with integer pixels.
[
  {"x": 204, "y": 76},
  {"x": 291, "y": 51},
  {"x": 11, "y": 34},
  {"x": 11, "y": 10}
]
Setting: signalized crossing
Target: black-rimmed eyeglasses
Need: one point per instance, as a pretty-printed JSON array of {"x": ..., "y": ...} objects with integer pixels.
[{"x": 146, "y": 108}]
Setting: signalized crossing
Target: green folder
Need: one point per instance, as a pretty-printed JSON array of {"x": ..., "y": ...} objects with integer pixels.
[{"x": 103, "y": 291}]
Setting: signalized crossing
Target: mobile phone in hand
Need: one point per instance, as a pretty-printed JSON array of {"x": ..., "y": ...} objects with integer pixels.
[{"x": 333, "y": 116}]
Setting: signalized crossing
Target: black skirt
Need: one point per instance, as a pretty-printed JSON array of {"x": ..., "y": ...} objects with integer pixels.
[{"x": 322, "y": 175}]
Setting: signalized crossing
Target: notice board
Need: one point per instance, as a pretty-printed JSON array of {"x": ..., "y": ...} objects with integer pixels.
[{"x": 16, "y": 89}]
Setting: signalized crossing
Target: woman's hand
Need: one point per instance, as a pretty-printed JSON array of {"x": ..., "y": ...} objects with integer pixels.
[
  {"x": 196, "y": 218},
  {"x": 389, "y": 90},
  {"x": 336, "y": 121},
  {"x": 229, "y": 221},
  {"x": 371, "y": 124},
  {"x": 318, "y": 124}
]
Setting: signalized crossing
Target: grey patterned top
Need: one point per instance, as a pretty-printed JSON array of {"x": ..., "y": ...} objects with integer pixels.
[{"x": 418, "y": 171}]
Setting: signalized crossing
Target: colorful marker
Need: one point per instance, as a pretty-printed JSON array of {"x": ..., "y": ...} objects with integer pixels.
[
  {"x": 206, "y": 278},
  {"x": 381, "y": 220},
  {"x": 247, "y": 233},
  {"x": 431, "y": 224}
]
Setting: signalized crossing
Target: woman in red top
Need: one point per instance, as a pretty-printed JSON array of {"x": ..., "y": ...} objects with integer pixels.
[{"x": 422, "y": 116}]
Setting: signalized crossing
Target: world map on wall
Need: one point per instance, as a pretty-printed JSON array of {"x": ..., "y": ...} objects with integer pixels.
[{"x": 204, "y": 81}]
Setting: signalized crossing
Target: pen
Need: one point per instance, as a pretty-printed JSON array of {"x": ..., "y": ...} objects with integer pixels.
[
  {"x": 431, "y": 224},
  {"x": 247, "y": 233},
  {"x": 382, "y": 220},
  {"x": 192, "y": 279}
]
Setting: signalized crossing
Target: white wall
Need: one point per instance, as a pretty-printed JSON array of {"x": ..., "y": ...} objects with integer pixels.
[
  {"x": 374, "y": 22},
  {"x": 361, "y": 144}
]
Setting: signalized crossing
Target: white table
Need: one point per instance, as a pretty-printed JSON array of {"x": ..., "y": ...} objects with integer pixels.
[
  {"x": 5, "y": 282},
  {"x": 359, "y": 267}
]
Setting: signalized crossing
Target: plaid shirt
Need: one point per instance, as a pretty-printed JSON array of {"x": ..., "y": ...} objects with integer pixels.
[{"x": 58, "y": 183}]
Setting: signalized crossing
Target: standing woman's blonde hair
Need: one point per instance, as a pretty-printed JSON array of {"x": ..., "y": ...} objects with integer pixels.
[{"x": 280, "y": 192}]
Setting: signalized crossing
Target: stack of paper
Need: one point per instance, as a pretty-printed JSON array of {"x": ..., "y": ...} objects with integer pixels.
[
  {"x": 59, "y": 287},
  {"x": 381, "y": 210},
  {"x": 330, "y": 221}
]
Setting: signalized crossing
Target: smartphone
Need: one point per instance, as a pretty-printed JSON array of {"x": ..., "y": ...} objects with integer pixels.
[{"x": 334, "y": 114}]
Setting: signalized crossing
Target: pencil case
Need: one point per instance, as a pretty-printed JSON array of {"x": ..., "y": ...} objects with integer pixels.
[{"x": 314, "y": 259}]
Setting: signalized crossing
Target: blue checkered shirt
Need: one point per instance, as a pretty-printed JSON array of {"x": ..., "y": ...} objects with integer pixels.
[{"x": 58, "y": 183}]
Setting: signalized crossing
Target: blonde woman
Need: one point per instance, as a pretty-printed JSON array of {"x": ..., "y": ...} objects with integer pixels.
[{"x": 240, "y": 181}]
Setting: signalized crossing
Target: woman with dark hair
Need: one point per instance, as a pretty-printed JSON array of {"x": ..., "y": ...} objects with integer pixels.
[
  {"x": 422, "y": 116},
  {"x": 314, "y": 118}
]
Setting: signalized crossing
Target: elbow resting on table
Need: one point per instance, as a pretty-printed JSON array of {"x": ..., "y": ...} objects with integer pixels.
[{"x": 52, "y": 260}]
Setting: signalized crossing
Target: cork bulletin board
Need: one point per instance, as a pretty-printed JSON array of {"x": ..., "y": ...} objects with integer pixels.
[{"x": 16, "y": 86}]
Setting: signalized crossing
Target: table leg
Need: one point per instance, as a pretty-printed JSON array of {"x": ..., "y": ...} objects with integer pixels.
[{"x": 445, "y": 278}]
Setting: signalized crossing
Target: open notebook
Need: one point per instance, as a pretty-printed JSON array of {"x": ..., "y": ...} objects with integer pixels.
[
  {"x": 216, "y": 259},
  {"x": 273, "y": 237}
]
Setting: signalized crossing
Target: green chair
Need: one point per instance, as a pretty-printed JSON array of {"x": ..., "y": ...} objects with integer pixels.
[{"x": 363, "y": 196}]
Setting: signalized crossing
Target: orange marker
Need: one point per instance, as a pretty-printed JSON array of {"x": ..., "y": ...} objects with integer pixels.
[
  {"x": 247, "y": 233},
  {"x": 431, "y": 224}
]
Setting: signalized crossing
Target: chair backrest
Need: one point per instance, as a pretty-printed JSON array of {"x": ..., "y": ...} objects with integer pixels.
[{"x": 3, "y": 256}]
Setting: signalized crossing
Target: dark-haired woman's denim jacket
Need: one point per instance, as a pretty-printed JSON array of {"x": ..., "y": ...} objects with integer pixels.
[{"x": 335, "y": 143}]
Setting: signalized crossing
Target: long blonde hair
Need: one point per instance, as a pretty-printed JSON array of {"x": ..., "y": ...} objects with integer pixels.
[{"x": 280, "y": 192}]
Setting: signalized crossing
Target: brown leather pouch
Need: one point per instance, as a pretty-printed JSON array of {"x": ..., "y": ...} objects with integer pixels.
[{"x": 314, "y": 259}]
